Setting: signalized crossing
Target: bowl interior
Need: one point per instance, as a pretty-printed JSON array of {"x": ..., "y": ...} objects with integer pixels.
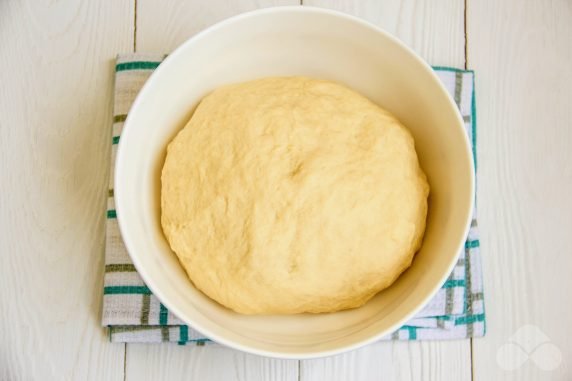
[{"x": 309, "y": 42}]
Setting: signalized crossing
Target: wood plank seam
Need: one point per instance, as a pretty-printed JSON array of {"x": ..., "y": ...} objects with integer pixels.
[
  {"x": 124, "y": 362},
  {"x": 466, "y": 38},
  {"x": 135, "y": 27}
]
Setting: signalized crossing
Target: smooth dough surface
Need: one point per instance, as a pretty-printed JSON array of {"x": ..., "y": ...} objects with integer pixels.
[{"x": 289, "y": 195}]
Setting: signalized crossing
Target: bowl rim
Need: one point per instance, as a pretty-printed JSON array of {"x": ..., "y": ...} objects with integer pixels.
[{"x": 119, "y": 195}]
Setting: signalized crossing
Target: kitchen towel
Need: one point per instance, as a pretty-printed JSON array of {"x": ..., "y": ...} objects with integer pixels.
[{"x": 133, "y": 314}]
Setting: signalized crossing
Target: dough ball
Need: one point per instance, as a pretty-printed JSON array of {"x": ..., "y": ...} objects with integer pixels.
[{"x": 291, "y": 195}]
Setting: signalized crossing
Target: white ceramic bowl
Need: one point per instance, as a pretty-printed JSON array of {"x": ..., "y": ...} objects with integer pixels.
[{"x": 281, "y": 42}]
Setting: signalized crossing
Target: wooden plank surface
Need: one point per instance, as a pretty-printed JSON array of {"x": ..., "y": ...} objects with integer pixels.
[
  {"x": 435, "y": 30},
  {"x": 522, "y": 54},
  {"x": 164, "y": 25},
  {"x": 55, "y": 111},
  {"x": 428, "y": 360},
  {"x": 210, "y": 362}
]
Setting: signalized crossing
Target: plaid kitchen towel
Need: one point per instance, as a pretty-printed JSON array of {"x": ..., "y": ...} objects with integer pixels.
[{"x": 133, "y": 314}]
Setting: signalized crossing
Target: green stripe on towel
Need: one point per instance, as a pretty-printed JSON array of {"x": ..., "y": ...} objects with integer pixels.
[
  {"x": 114, "y": 290},
  {"x": 469, "y": 319},
  {"x": 163, "y": 314},
  {"x": 454, "y": 283},
  {"x": 183, "y": 334},
  {"x": 136, "y": 65},
  {"x": 412, "y": 332},
  {"x": 472, "y": 244},
  {"x": 452, "y": 69}
]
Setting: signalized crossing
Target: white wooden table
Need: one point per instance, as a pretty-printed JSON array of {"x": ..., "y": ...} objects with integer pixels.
[{"x": 56, "y": 74}]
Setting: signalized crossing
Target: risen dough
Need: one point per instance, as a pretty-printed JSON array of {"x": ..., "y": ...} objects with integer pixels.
[{"x": 289, "y": 195}]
